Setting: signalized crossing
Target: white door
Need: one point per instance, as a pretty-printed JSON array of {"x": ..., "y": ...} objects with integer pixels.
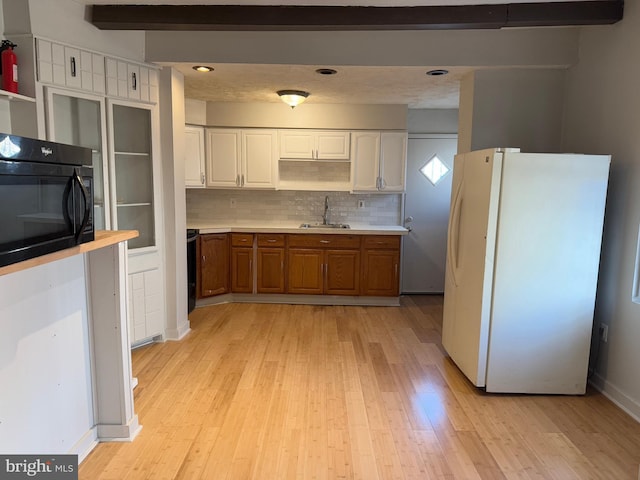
[{"x": 426, "y": 211}]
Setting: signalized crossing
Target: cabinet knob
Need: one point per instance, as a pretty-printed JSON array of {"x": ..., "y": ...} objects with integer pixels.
[
  {"x": 73, "y": 66},
  {"x": 202, "y": 178}
]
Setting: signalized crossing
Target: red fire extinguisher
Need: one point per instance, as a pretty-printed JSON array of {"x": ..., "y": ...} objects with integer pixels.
[{"x": 9, "y": 63}]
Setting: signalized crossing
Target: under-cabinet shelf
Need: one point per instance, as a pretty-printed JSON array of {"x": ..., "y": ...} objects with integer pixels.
[
  {"x": 315, "y": 160},
  {"x": 133, "y": 154},
  {"x": 16, "y": 97},
  {"x": 141, "y": 204},
  {"x": 315, "y": 186}
]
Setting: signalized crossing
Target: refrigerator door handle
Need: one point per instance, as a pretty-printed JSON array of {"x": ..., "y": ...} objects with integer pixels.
[{"x": 454, "y": 230}]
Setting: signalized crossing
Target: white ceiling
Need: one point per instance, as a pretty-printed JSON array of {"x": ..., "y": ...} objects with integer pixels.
[
  {"x": 352, "y": 84},
  {"x": 365, "y": 85}
]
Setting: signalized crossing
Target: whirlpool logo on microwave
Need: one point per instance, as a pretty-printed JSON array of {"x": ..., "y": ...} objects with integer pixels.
[
  {"x": 46, "y": 151},
  {"x": 50, "y": 467}
]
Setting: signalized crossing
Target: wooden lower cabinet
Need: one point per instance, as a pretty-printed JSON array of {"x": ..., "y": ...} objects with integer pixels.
[
  {"x": 342, "y": 272},
  {"x": 271, "y": 273},
  {"x": 323, "y": 264},
  {"x": 380, "y": 266},
  {"x": 241, "y": 270},
  {"x": 271, "y": 263},
  {"x": 308, "y": 264},
  {"x": 305, "y": 271},
  {"x": 242, "y": 262},
  {"x": 213, "y": 278}
]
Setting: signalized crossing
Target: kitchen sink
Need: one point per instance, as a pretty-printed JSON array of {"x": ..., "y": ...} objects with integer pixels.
[{"x": 326, "y": 225}]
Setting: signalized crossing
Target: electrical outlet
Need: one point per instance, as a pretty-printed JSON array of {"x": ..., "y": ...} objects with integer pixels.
[
  {"x": 604, "y": 332},
  {"x": 360, "y": 203},
  {"x": 232, "y": 203}
]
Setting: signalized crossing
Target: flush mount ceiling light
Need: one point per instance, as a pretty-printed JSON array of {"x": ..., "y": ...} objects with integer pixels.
[
  {"x": 437, "y": 73},
  {"x": 202, "y": 68},
  {"x": 292, "y": 98}
]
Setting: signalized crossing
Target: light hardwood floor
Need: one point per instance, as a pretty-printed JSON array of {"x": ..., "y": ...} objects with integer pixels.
[{"x": 275, "y": 392}]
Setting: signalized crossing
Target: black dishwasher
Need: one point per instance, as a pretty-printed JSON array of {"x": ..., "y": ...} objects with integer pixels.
[{"x": 192, "y": 237}]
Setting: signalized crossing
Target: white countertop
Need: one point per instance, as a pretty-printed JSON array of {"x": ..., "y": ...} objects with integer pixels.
[{"x": 294, "y": 227}]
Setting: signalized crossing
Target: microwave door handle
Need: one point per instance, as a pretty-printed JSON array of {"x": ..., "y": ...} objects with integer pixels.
[
  {"x": 87, "y": 203},
  {"x": 67, "y": 206}
]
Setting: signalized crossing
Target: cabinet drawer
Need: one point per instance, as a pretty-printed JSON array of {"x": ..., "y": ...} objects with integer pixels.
[
  {"x": 271, "y": 240},
  {"x": 242, "y": 240},
  {"x": 324, "y": 241},
  {"x": 381, "y": 241}
]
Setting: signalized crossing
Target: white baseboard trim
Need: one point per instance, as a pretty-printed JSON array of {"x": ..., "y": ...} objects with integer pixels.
[
  {"x": 299, "y": 299},
  {"x": 119, "y": 433},
  {"x": 178, "y": 333},
  {"x": 617, "y": 396},
  {"x": 83, "y": 447}
]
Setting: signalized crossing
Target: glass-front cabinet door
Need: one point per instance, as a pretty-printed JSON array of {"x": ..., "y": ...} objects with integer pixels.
[
  {"x": 79, "y": 119},
  {"x": 133, "y": 172}
]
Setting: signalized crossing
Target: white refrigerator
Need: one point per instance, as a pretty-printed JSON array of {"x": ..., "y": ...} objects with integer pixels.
[{"x": 522, "y": 265}]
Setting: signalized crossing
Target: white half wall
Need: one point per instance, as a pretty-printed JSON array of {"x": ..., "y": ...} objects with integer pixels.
[
  {"x": 45, "y": 360},
  {"x": 603, "y": 116}
]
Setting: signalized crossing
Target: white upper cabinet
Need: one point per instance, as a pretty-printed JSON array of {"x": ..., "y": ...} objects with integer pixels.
[
  {"x": 259, "y": 157},
  {"x": 241, "y": 158},
  {"x": 365, "y": 161},
  {"x": 223, "y": 157},
  {"x": 194, "y": 157},
  {"x": 314, "y": 145},
  {"x": 378, "y": 161},
  {"x": 70, "y": 67},
  {"x": 131, "y": 80},
  {"x": 82, "y": 70},
  {"x": 393, "y": 161}
]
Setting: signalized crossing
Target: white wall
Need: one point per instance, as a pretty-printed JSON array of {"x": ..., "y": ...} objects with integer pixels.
[
  {"x": 195, "y": 111},
  {"x": 172, "y": 113},
  {"x": 63, "y": 20},
  {"x": 432, "y": 120},
  {"x": 603, "y": 116},
  {"x": 519, "y": 46},
  {"x": 512, "y": 108},
  {"x": 279, "y": 115}
]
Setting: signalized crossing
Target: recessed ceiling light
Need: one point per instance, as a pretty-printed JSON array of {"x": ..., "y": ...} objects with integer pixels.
[
  {"x": 326, "y": 71},
  {"x": 202, "y": 68},
  {"x": 438, "y": 72}
]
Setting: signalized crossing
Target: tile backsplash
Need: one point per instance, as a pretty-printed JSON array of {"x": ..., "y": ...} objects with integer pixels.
[{"x": 210, "y": 205}]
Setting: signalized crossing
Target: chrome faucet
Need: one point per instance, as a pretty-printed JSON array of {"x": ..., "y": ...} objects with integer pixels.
[{"x": 325, "y": 215}]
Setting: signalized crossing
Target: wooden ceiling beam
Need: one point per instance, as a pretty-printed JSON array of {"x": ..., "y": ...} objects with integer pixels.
[{"x": 326, "y": 18}]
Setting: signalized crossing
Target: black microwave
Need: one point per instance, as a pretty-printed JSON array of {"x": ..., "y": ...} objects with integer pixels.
[{"x": 46, "y": 197}]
